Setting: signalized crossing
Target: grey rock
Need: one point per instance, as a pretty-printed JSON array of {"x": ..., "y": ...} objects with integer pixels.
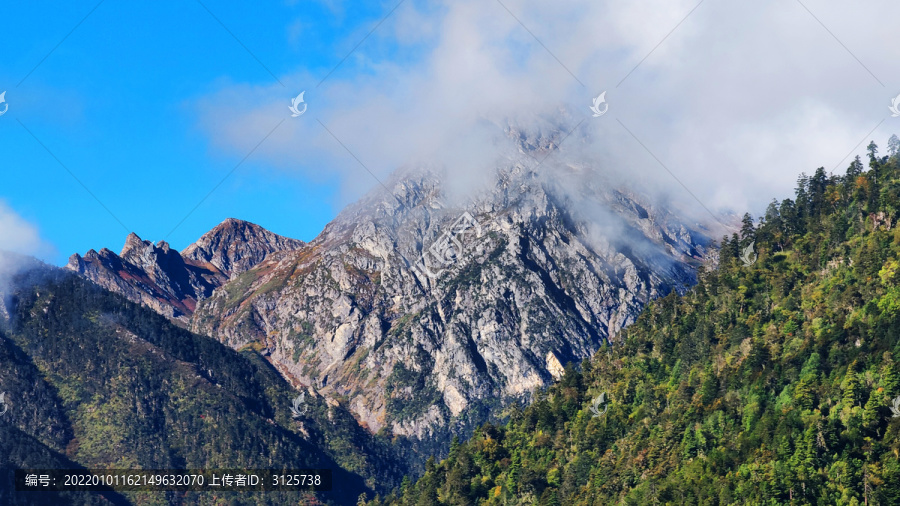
[
  {"x": 531, "y": 272},
  {"x": 415, "y": 348}
]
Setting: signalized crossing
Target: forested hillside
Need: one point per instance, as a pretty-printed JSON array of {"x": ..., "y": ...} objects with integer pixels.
[
  {"x": 770, "y": 382},
  {"x": 95, "y": 381}
]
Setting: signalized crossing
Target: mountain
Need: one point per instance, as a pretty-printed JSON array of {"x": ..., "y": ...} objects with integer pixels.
[
  {"x": 426, "y": 315},
  {"x": 171, "y": 283},
  {"x": 92, "y": 380},
  {"x": 423, "y": 311},
  {"x": 774, "y": 380},
  {"x": 235, "y": 246}
]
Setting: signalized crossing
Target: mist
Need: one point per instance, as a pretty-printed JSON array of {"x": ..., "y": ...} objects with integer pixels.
[
  {"x": 19, "y": 236},
  {"x": 714, "y": 105},
  {"x": 20, "y": 244}
]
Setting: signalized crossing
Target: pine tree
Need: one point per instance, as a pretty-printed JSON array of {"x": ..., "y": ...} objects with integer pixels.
[
  {"x": 893, "y": 146},
  {"x": 802, "y": 196},
  {"x": 735, "y": 246},
  {"x": 871, "y": 417},
  {"x": 689, "y": 444},
  {"x": 872, "y": 150},
  {"x": 748, "y": 231},
  {"x": 818, "y": 184},
  {"x": 709, "y": 387},
  {"x": 725, "y": 250},
  {"x": 854, "y": 170},
  {"x": 790, "y": 218},
  {"x": 890, "y": 375},
  {"x": 851, "y": 387}
]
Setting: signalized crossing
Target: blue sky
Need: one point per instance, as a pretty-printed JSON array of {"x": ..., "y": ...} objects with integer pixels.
[
  {"x": 113, "y": 103},
  {"x": 150, "y": 105}
]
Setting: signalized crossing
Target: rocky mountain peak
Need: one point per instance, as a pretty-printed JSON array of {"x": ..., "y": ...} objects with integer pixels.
[
  {"x": 133, "y": 242},
  {"x": 234, "y": 246},
  {"x": 421, "y": 309},
  {"x": 172, "y": 283}
]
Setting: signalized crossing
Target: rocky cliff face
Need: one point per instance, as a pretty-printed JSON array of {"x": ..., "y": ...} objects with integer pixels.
[
  {"x": 422, "y": 311},
  {"x": 172, "y": 283},
  {"x": 420, "y": 314}
]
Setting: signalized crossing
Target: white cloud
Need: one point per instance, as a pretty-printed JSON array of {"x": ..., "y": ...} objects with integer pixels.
[
  {"x": 736, "y": 101},
  {"x": 19, "y": 236}
]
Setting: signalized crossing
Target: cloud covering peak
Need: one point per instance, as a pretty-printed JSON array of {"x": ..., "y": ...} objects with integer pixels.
[{"x": 728, "y": 100}]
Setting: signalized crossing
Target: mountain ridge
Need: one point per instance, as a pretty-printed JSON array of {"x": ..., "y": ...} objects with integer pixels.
[{"x": 171, "y": 283}]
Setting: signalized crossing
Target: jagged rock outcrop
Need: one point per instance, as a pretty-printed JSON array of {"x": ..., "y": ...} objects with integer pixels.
[
  {"x": 235, "y": 246},
  {"x": 420, "y": 314},
  {"x": 172, "y": 283}
]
